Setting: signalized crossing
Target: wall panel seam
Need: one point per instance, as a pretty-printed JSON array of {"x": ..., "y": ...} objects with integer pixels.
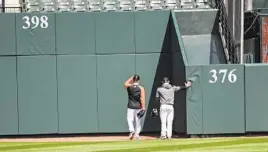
[
  {"x": 17, "y": 82},
  {"x": 244, "y": 91},
  {"x": 57, "y": 83},
  {"x": 56, "y": 52},
  {"x": 96, "y": 72},
  {"x": 134, "y": 14},
  {"x": 202, "y": 101}
]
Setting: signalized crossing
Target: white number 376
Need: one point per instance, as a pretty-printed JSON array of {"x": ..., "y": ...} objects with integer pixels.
[
  {"x": 34, "y": 22},
  {"x": 231, "y": 76}
]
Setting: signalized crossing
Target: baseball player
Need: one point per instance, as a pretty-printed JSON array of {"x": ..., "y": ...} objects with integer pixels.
[
  {"x": 165, "y": 95},
  {"x": 135, "y": 106}
]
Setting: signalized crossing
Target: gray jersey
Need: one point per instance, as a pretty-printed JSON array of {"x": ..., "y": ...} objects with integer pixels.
[{"x": 166, "y": 93}]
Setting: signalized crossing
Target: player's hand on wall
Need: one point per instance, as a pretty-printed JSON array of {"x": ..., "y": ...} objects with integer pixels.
[{"x": 188, "y": 84}]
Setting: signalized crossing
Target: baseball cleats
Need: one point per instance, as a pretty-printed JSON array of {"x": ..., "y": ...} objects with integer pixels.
[
  {"x": 162, "y": 138},
  {"x": 137, "y": 137},
  {"x": 131, "y": 135}
]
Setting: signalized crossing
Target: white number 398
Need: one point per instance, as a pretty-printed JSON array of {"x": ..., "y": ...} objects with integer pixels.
[
  {"x": 34, "y": 22},
  {"x": 231, "y": 77}
]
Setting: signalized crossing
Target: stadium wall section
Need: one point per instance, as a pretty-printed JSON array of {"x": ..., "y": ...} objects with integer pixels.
[{"x": 63, "y": 73}]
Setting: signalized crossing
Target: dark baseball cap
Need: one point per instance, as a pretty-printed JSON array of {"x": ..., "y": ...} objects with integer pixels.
[{"x": 165, "y": 80}]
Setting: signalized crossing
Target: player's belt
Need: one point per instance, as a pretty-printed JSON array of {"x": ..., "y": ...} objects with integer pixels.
[{"x": 167, "y": 104}]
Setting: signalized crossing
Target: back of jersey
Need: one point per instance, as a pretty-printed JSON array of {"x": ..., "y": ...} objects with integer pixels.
[
  {"x": 134, "y": 94},
  {"x": 166, "y": 94}
]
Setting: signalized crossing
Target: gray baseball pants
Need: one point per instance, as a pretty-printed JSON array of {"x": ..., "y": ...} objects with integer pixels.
[
  {"x": 166, "y": 117},
  {"x": 134, "y": 122}
]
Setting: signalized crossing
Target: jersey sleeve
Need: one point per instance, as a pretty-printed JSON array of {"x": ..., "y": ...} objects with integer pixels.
[{"x": 176, "y": 88}]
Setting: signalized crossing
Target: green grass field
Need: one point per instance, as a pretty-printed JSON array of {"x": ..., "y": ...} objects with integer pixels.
[{"x": 181, "y": 145}]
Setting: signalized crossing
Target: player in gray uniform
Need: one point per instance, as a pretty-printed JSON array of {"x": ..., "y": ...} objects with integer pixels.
[{"x": 165, "y": 94}]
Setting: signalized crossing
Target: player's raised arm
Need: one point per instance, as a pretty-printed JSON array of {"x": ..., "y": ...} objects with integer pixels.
[
  {"x": 186, "y": 86},
  {"x": 142, "y": 98},
  {"x": 128, "y": 82}
]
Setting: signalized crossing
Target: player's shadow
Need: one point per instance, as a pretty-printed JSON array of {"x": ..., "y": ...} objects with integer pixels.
[{"x": 170, "y": 64}]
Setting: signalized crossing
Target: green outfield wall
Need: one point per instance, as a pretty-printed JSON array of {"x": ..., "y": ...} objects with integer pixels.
[
  {"x": 256, "y": 97},
  {"x": 9, "y": 95},
  {"x": 64, "y": 73},
  {"x": 215, "y": 102},
  {"x": 259, "y": 4}
]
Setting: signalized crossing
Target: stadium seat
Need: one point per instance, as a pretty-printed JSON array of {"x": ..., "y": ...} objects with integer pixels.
[
  {"x": 125, "y": 5},
  {"x": 187, "y": 4},
  {"x": 48, "y": 5},
  {"x": 95, "y": 5},
  {"x": 33, "y": 5},
  {"x": 156, "y": 4},
  {"x": 140, "y": 5},
  {"x": 10, "y": 5},
  {"x": 202, "y": 4},
  {"x": 79, "y": 5},
  {"x": 171, "y": 4},
  {"x": 64, "y": 6},
  {"x": 110, "y": 5}
]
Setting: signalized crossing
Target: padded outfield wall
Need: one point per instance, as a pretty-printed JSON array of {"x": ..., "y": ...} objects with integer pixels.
[{"x": 64, "y": 72}]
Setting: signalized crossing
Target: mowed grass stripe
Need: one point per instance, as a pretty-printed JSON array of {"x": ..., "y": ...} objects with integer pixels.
[
  {"x": 174, "y": 147},
  {"x": 236, "y": 148},
  {"x": 16, "y": 144},
  {"x": 222, "y": 150},
  {"x": 233, "y": 148},
  {"x": 45, "y": 145},
  {"x": 148, "y": 145},
  {"x": 98, "y": 145},
  {"x": 245, "y": 147},
  {"x": 128, "y": 145}
]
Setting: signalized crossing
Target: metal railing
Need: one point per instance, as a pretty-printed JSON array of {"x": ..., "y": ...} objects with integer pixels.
[
  {"x": 10, "y": 9},
  {"x": 226, "y": 31}
]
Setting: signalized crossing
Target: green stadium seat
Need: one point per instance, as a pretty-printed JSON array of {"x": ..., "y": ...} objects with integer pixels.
[
  {"x": 140, "y": 5},
  {"x": 33, "y": 5},
  {"x": 95, "y": 5},
  {"x": 64, "y": 5},
  {"x": 156, "y": 4},
  {"x": 110, "y": 5},
  {"x": 79, "y": 5},
  {"x": 125, "y": 5},
  {"x": 171, "y": 4},
  {"x": 48, "y": 5},
  {"x": 202, "y": 4},
  {"x": 187, "y": 4}
]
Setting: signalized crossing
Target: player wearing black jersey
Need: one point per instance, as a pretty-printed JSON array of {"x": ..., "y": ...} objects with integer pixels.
[{"x": 136, "y": 105}]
